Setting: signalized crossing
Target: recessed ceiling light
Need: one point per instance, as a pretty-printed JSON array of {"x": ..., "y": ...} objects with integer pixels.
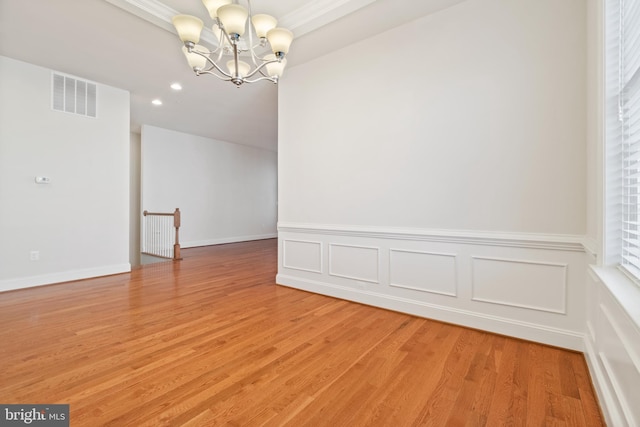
[
  {"x": 176, "y": 86},
  {"x": 156, "y": 102}
]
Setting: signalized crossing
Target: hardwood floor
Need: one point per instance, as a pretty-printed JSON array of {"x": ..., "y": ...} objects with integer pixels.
[{"x": 211, "y": 340}]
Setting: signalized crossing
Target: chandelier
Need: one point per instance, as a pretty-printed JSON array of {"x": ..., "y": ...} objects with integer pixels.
[{"x": 235, "y": 41}]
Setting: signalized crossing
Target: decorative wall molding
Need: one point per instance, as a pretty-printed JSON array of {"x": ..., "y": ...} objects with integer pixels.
[
  {"x": 527, "y": 283},
  {"x": 526, "y": 288},
  {"x": 624, "y": 338},
  {"x": 558, "y": 242},
  {"x": 160, "y": 15},
  {"x": 317, "y": 13},
  {"x": 298, "y": 263},
  {"x": 619, "y": 393},
  {"x": 590, "y": 246},
  {"x": 355, "y": 262},
  {"x": 622, "y": 289},
  {"x": 442, "y": 276},
  {"x": 305, "y": 19},
  {"x": 66, "y": 276},
  {"x": 612, "y": 343},
  {"x": 608, "y": 400}
]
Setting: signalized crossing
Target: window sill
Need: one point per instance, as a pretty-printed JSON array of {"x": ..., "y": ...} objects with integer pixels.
[{"x": 623, "y": 289}]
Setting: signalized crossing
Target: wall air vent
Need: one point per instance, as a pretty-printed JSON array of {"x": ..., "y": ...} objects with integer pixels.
[{"x": 72, "y": 95}]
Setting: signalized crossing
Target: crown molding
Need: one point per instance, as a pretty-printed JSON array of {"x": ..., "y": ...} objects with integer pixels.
[
  {"x": 160, "y": 15},
  {"x": 318, "y": 13},
  {"x": 303, "y": 20}
]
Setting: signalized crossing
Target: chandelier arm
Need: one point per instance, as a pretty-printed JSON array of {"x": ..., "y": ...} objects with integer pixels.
[
  {"x": 224, "y": 32},
  {"x": 213, "y": 65},
  {"x": 259, "y": 68},
  {"x": 226, "y": 79},
  {"x": 220, "y": 49},
  {"x": 233, "y": 44},
  {"x": 256, "y": 58},
  {"x": 271, "y": 79},
  {"x": 250, "y": 29}
]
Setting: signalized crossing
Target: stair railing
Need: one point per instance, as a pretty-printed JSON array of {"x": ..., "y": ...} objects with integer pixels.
[{"x": 158, "y": 236}]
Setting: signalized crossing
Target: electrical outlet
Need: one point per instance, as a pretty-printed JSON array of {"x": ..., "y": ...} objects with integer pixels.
[{"x": 34, "y": 255}]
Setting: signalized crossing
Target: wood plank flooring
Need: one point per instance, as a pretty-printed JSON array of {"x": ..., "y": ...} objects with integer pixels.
[{"x": 211, "y": 340}]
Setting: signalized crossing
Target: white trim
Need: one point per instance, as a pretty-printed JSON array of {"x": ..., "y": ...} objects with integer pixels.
[
  {"x": 428, "y": 291},
  {"x": 284, "y": 255},
  {"x": 563, "y": 242},
  {"x": 160, "y": 15},
  {"x": 332, "y": 273},
  {"x": 622, "y": 401},
  {"x": 591, "y": 333},
  {"x": 315, "y": 14},
  {"x": 223, "y": 240},
  {"x": 519, "y": 329},
  {"x": 431, "y": 291},
  {"x": 622, "y": 337},
  {"x": 305, "y": 19},
  {"x": 590, "y": 246},
  {"x": 517, "y": 261},
  {"x": 65, "y": 276},
  {"x": 609, "y": 403},
  {"x": 623, "y": 289}
]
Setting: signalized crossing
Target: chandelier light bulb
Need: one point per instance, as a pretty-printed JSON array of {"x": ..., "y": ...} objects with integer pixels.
[
  {"x": 188, "y": 27},
  {"x": 280, "y": 39},
  {"x": 243, "y": 68},
  {"x": 196, "y": 62},
  {"x": 263, "y": 23},
  {"x": 275, "y": 68},
  {"x": 233, "y": 18},
  {"x": 213, "y": 6}
]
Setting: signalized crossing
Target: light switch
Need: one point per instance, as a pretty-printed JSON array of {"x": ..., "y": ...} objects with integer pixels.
[{"x": 43, "y": 180}]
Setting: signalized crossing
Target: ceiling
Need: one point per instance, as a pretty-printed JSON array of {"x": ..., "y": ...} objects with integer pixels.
[{"x": 130, "y": 44}]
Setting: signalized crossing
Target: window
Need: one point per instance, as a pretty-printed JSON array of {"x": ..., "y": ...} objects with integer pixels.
[{"x": 622, "y": 57}]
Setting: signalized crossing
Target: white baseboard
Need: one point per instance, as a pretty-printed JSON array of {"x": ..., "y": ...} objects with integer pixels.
[
  {"x": 223, "y": 240},
  {"x": 64, "y": 276},
  {"x": 519, "y": 329}
]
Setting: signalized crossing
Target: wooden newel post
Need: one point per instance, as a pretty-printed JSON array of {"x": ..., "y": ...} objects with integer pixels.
[{"x": 176, "y": 224}]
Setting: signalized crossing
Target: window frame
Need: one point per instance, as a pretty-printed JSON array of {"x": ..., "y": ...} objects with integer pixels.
[{"x": 622, "y": 135}]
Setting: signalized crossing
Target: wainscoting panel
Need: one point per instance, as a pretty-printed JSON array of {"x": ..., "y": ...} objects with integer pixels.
[
  {"x": 354, "y": 262},
  {"x": 526, "y": 284},
  {"x": 613, "y": 345},
  {"x": 302, "y": 255},
  {"x": 423, "y": 271}
]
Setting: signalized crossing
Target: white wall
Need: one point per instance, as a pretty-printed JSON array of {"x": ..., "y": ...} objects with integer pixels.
[
  {"x": 79, "y": 222},
  {"x": 439, "y": 169},
  {"x": 226, "y": 192},
  {"x": 469, "y": 119}
]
